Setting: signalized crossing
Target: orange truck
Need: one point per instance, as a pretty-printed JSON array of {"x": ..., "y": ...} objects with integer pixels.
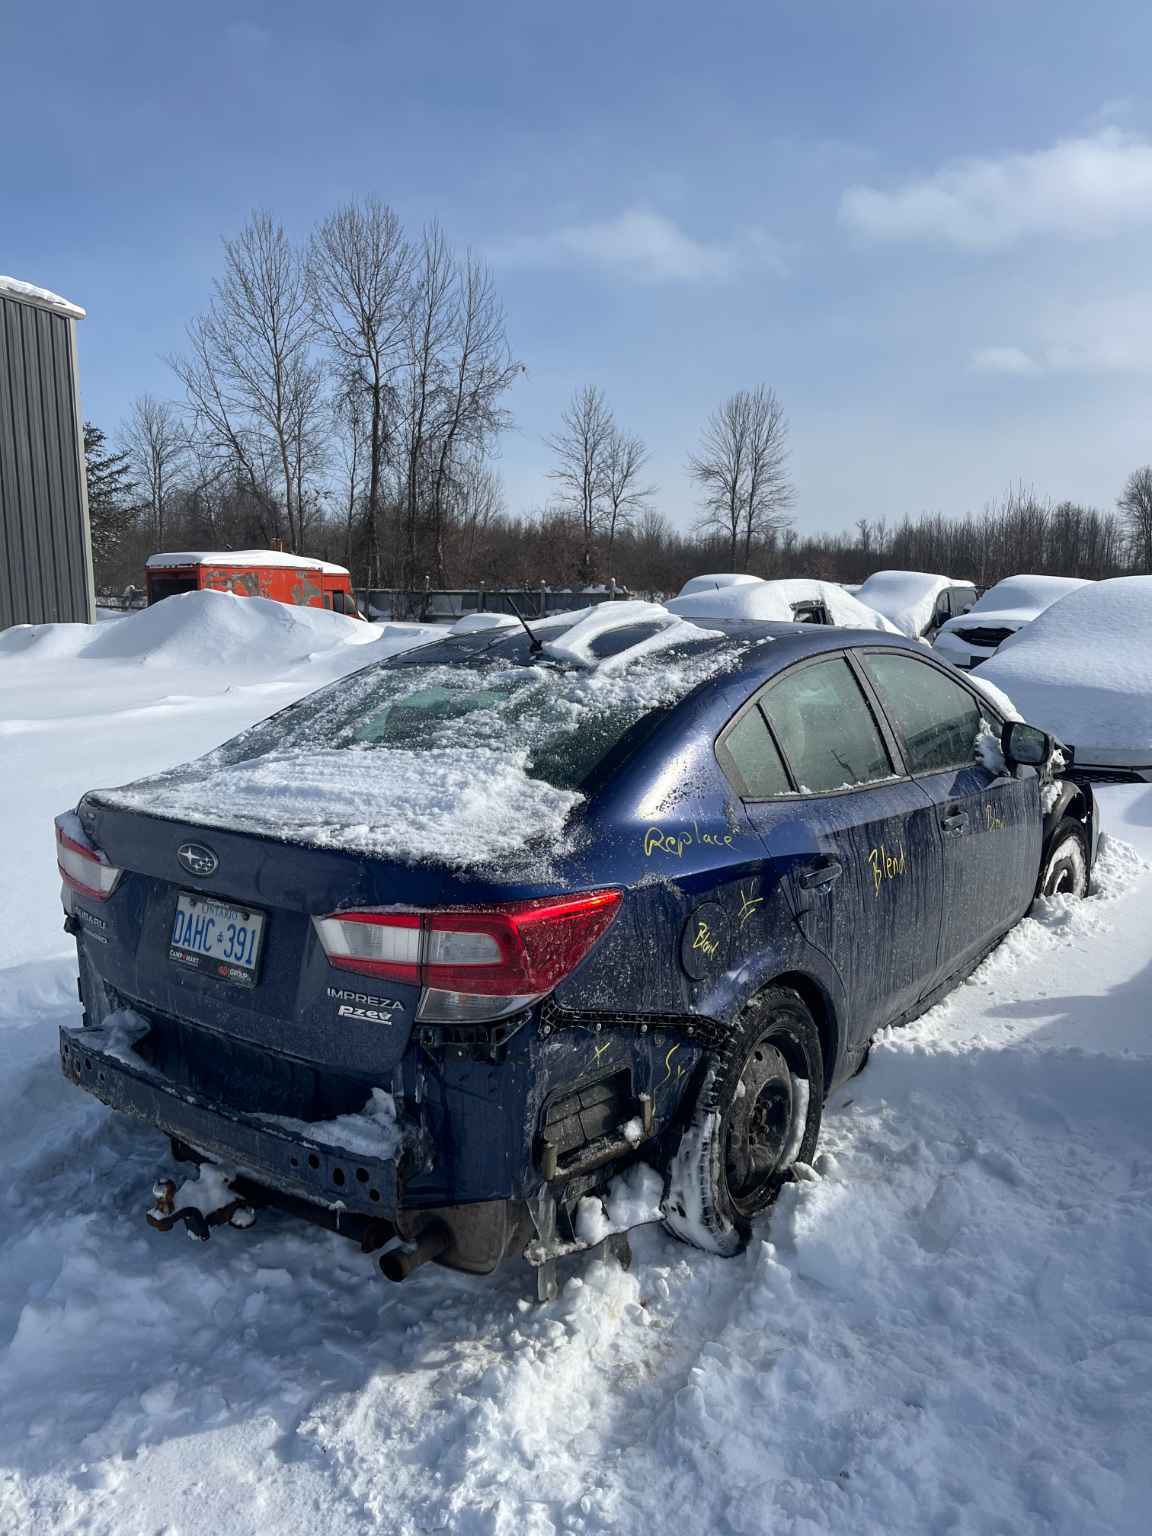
[{"x": 295, "y": 579}]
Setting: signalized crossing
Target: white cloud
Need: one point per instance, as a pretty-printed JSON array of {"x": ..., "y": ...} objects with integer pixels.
[
  {"x": 644, "y": 246},
  {"x": 1080, "y": 188},
  {"x": 1003, "y": 360},
  {"x": 1111, "y": 335}
]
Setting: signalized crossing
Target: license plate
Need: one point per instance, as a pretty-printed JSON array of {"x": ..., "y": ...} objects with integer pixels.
[{"x": 216, "y": 939}]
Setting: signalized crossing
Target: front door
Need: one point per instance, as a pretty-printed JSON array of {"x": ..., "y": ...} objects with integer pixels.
[{"x": 990, "y": 821}]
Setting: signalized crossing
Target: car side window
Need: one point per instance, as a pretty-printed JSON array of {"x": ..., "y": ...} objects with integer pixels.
[
  {"x": 825, "y": 728},
  {"x": 936, "y": 719},
  {"x": 749, "y": 757}
]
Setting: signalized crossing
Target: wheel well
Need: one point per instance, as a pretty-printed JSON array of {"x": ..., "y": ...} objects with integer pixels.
[{"x": 819, "y": 1005}]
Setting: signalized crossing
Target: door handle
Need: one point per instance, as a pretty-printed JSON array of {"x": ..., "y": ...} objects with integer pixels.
[
  {"x": 955, "y": 823},
  {"x": 821, "y": 876}
]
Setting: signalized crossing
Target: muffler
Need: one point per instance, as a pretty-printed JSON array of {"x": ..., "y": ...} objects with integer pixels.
[{"x": 400, "y": 1262}]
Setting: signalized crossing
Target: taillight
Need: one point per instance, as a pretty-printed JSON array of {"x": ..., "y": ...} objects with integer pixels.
[
  {"x": 476, "y": 963},
  {"x": 83, "y": 867}
]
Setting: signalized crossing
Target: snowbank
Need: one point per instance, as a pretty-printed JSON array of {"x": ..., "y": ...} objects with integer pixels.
[
  {"x": 907, "y": 598},
  {"x": 771, "y": 601},
  {"x": 195, "y": 629},
  {"x": 1083, "y": 669}
]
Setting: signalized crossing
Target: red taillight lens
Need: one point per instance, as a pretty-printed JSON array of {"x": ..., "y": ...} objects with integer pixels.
[
  {"x": 516, "y": 949},
  {"x": 83, "y": 867}
]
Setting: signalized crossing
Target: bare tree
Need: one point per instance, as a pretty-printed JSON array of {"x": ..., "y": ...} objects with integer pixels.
[
  {"x": 1136, "y": 510},
  {"x": 477, "y": 371},
  {"x": 770, "y": 491},
  {"x": 251, "y": 379},
  {"x": 742, "y": 469},
  {"x": 582, "y": 452},
  {"x": 428, "y": 332},
  {"x": 156, "y": 442},
  {"x": 358, "y": 283},
  {"x": 625, "y": 496}
]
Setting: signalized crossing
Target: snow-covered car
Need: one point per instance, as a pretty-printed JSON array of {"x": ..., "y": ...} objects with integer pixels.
[
  {"x": 970, "y": 639},
  {"x": 1083, "y": 670},
  {"x": 713, "y": 581},
  {"x": 916, "y": 602},
  {"x": 795, "y": 601}
]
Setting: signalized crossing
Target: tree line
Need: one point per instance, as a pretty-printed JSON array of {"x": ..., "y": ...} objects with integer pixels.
[{"x": 345, "y": 397}]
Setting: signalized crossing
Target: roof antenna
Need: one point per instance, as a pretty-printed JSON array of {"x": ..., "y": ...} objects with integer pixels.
[{"x": 536, "y": 645}]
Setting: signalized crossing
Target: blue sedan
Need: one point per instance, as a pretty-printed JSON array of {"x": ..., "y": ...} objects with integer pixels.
[{"x": 448, "y": 945}]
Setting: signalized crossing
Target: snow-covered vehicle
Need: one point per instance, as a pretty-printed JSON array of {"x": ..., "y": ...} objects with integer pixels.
[
  {"x": 795, "y": 601},
  {"x": 970, "y": 639},
  {"x": 1082, "y": 670},
  {"x": 443, "y": 953},
  {"x": 916, "y": 602}
]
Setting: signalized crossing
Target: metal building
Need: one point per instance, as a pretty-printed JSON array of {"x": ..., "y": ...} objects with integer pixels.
[{"x": 45, "y": 548}]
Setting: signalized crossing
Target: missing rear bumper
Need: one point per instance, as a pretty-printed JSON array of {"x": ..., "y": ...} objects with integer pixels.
[{"x": 331, "y": 1177}]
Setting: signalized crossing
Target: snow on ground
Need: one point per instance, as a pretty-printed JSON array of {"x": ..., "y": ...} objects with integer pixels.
[{"x": 948, "y": 1331}]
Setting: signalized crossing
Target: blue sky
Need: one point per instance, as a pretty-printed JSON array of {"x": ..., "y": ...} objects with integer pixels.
[{"x": 925, "y": 224}]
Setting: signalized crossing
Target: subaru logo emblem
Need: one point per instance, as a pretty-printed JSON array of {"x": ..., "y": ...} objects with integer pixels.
[{"x": 197, "y": 859}]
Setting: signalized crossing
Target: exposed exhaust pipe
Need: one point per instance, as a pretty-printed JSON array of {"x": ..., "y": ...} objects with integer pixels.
[{"x": 400, "y": 1263}]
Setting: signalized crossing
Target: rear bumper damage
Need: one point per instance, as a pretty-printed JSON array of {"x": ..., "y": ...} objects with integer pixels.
[
  {"x": 331, "y": 1177},
  {"x": 345, "y": 1191}
]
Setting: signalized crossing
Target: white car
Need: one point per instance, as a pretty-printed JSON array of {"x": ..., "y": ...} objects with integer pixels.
[
  {"x": 1005, "y": 608},
  {"x": 1082, "y": 671},
  {"x": 798, "y": 601},
  {"x": 916, "y": 602}
]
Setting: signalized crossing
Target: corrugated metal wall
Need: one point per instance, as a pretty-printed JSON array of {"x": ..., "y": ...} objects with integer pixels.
[{"x": 45, "y": 555}]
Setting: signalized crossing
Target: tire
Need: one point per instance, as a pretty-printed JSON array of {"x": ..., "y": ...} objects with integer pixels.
[
  {"x": 757, "y": 1114},
  {"x": 1065, "y": 871}
]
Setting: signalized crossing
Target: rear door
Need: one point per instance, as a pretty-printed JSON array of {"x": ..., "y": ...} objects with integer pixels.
[
  {"x": 822, "y": 784},
  {"x": 989, "y": 820}
]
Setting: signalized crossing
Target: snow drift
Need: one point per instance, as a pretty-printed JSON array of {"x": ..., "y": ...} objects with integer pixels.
[{"x": 195, "y": 629}]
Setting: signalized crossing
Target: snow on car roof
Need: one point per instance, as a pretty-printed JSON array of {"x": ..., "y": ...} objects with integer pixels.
[
  {"x": 772, "y": 601},
  {"x": 1081, "y": 669},
  {"x": 1017, "y": 599},
  {"x": 713, "y": 582},
  {"x": 908, "y": 598},
  {"x": 250, "y": 557},
  {"x": 13, "y": 288}
]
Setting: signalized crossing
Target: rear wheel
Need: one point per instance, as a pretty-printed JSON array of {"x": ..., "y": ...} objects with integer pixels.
[
  {"x": 757, "y": 1114},
  {"x": 1065, "y": 871}
]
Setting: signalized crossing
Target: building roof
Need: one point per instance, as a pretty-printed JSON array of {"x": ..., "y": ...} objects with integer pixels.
[
  {"x": 262, "y": 559},
  {"x": 43, "y": 298}
]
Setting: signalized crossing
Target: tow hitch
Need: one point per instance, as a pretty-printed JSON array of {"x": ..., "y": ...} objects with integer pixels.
[{"x": 193, "y": 1204}]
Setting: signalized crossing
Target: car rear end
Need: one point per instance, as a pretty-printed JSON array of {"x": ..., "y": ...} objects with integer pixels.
[
  {"x": 249, "y": 998},
  {"x": 363, "y": 1035}
]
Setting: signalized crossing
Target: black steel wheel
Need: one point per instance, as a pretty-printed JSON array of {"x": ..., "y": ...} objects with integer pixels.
[{"x": 756, "y": 1115}]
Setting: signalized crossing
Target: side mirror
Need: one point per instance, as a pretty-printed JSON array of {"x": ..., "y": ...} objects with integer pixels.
[{"x": 1026, "y": 744}]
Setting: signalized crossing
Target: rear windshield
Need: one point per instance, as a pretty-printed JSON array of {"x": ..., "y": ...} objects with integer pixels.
[{"x": 561, "y": 723}]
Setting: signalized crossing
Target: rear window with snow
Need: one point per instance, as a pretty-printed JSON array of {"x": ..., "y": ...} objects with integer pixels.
[
  {"x": 445, "y": 755},
  {"x": 561, "y": 722}
]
